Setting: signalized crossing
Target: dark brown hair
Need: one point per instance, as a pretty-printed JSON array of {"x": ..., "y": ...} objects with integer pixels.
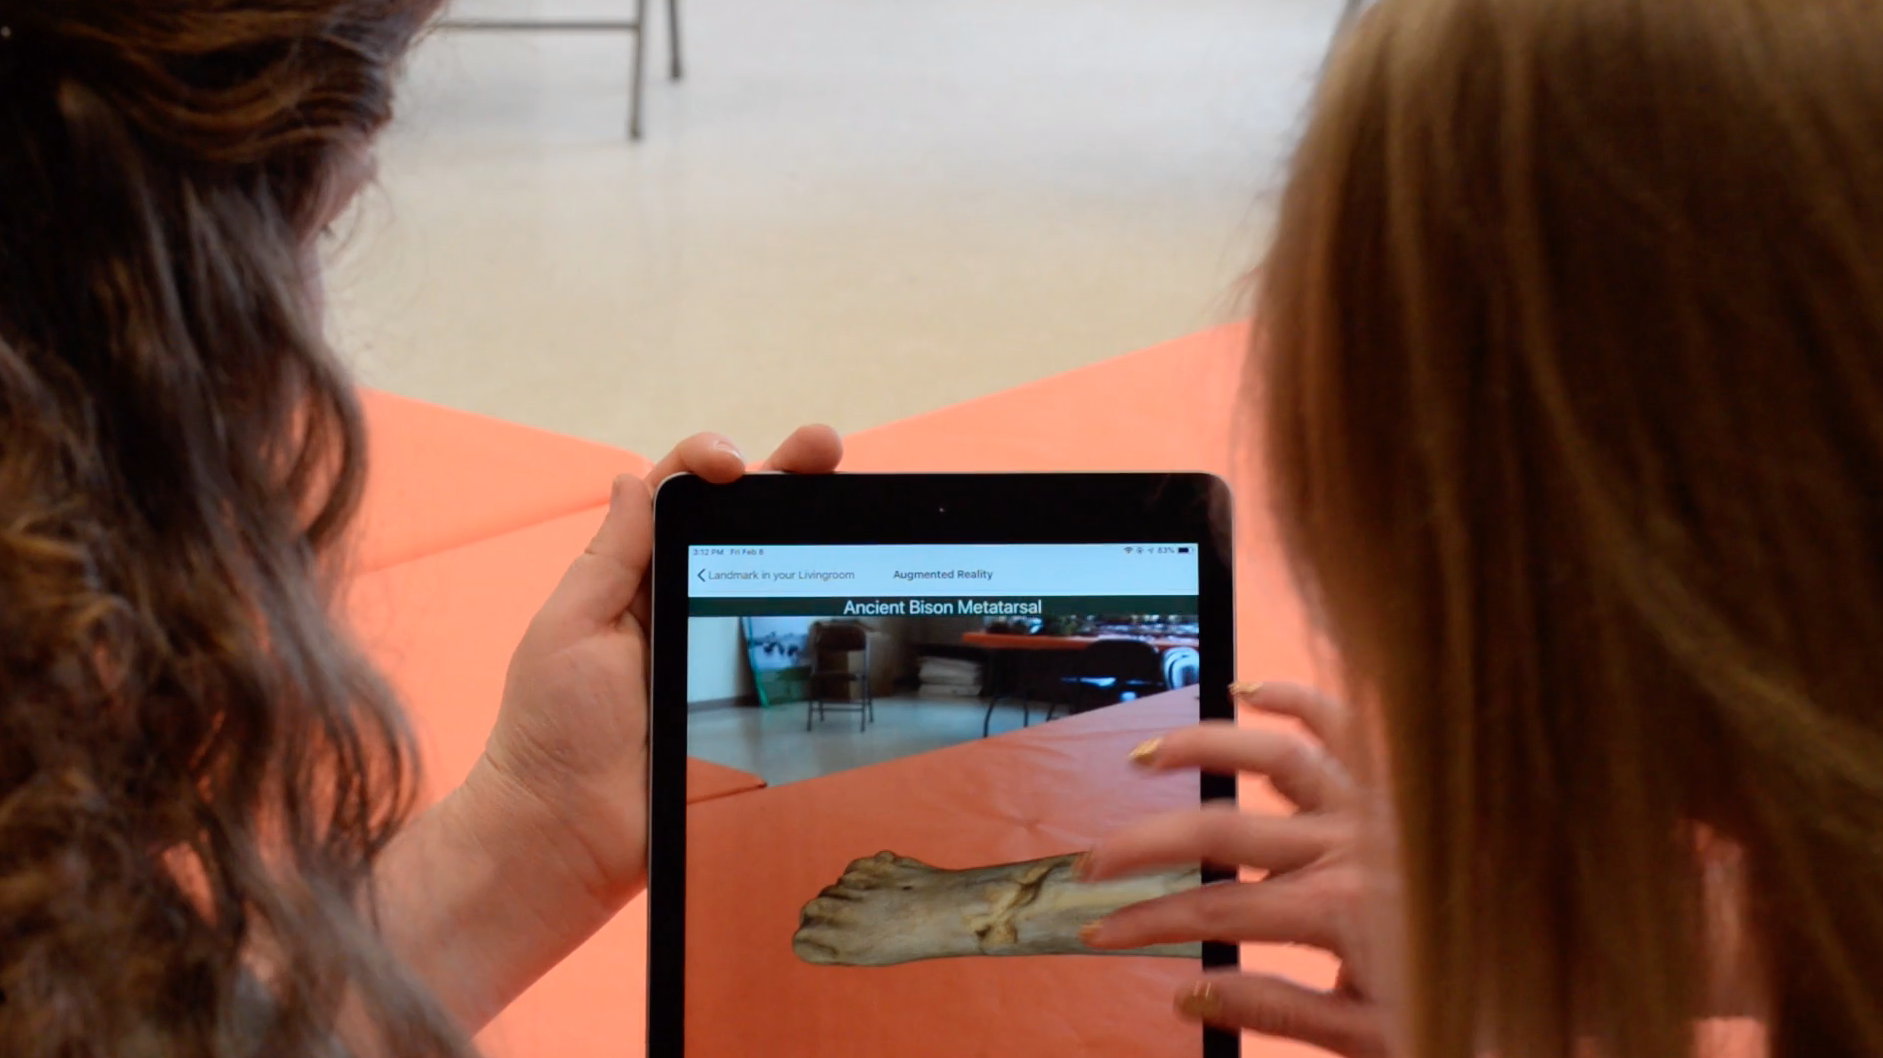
[
  {"x": 1574, "y": 407},
  {"x": 197, "y": 770}
]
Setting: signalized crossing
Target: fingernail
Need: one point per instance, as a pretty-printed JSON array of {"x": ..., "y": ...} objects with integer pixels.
[
  {"x": 1082, "y": 867},
  {"x": 1145, "y": 754},
  {"x": 1088, "y": 934},
  {"x": 1201, "y": 1002},
  {"x": 1242, "y": 692},
  {"x": 728, "y": 446}
]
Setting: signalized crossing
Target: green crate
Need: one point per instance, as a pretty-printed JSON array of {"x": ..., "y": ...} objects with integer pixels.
[{"x": 774, "y": 660}]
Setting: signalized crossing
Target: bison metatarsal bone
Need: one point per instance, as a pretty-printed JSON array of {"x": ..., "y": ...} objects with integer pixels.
[{"x": 890, "y": 909}]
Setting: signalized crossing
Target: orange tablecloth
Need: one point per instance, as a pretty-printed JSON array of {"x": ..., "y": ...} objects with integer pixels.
[
  {"x": 755, "y": 859},
  {"x": 1011, "y": 641},
  {"x": 442, "y": 478},
  {"x": 1170, "y": 407},
  {"x": 708, "y": 781}
]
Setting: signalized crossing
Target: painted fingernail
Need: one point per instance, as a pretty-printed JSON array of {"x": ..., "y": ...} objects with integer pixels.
[
  {"x": 1242, "y": 692},
  {"x": 1201, "y": 1002},
  {"x": 1145, "y": 754}
]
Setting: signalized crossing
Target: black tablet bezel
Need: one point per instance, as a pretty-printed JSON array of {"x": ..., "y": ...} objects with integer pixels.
[{"x": 902, "y": 509}]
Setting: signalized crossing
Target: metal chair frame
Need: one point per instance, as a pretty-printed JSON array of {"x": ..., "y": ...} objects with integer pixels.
[{"x": 637, "y": 27}]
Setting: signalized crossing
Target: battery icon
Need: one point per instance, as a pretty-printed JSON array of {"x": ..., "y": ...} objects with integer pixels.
[{"x": 1183, "y": 551}]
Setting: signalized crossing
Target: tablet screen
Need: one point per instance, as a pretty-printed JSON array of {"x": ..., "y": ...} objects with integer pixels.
[{"x": 895, "y": 754}]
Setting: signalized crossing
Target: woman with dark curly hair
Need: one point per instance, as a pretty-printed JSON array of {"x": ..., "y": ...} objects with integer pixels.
[{"x": 207, "y": 842}]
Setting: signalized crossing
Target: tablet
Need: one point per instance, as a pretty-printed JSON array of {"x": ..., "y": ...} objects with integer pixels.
[{"x": 889, "y": 711}]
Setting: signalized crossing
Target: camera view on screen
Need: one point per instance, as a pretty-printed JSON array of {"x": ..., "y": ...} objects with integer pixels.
[{"x": 895, "y": 756}]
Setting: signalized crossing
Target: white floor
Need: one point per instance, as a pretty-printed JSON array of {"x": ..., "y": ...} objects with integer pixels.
[
  {"x": 773, "y": 743},
  {"x": 850, "y": 210}
]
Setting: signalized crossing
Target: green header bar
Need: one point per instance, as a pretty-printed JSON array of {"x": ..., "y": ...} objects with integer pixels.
[{"x": 866, "y": 607}]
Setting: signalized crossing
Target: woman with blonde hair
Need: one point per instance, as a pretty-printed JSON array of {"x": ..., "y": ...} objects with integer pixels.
[{"x": 1572, "y": 403}]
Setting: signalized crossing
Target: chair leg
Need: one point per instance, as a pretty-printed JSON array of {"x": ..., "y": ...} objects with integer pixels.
[
  {"x": 810, "y": 714},
  {"x": 987, "y": 722},
  {"x": 634, "y": 75},
  {"x": 673, "y": 39}
]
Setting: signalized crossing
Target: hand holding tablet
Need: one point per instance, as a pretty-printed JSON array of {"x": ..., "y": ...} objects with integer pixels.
[{"x": 563, "y": 731}]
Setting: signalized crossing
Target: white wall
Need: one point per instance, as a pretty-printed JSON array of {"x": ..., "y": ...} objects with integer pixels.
[{"x": 716, "y": 662}]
